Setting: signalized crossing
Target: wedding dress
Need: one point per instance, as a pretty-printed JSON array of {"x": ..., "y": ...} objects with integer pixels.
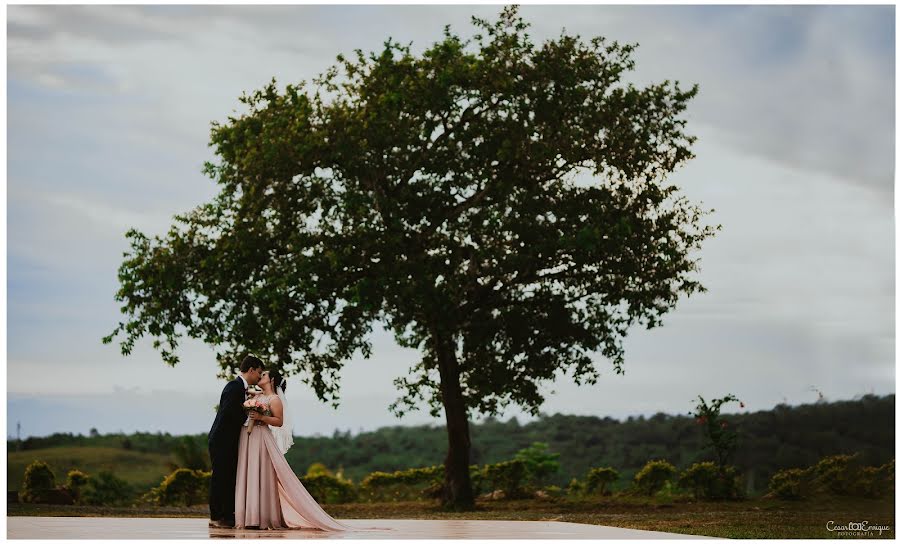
[{"x": 268, "y": 494}]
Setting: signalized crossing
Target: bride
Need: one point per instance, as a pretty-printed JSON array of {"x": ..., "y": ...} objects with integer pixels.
[{"x": 268, "y": 494}]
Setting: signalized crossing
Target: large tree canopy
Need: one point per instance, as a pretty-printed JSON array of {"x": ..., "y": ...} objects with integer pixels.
[{"x": 502, "y": 207}]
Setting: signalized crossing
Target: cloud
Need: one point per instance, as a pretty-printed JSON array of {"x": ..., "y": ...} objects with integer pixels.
[
  {"x": 808, "y": 86},
  {"x": 112, "y": 25},
  {"x": 109, "y": 111},
  {"x": 774, "y": 80}
]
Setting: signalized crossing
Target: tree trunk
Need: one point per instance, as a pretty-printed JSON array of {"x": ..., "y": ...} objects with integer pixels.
[{"x": 457, "y": 492}]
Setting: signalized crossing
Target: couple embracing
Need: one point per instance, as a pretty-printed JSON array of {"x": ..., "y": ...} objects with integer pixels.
[{"x": 252, "y": 486}]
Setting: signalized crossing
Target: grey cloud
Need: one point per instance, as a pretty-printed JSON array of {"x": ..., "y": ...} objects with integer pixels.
[
  {"x": 801, "y": 277},
  {"x": 113, "y": 25},
  {"x": 774, "y": 79}
]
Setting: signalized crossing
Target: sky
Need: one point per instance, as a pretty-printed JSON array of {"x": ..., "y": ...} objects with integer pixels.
[{"x": 108, "y": 117}]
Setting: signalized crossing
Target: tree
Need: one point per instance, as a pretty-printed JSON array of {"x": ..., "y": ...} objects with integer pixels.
[
  {"x": 502, "y": 207},
  {"x": 539, "y": 463},
  {"x": 719, "y": 437}
]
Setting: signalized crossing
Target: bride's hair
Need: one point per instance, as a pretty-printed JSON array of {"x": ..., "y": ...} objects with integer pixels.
[{"x": 278, "y": 380}]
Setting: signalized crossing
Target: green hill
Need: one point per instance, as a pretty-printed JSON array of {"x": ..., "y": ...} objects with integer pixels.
[{"x": 143, "y": 470}]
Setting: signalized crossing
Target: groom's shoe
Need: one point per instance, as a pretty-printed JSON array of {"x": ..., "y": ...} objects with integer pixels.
[{"x": 220, "y": 524}]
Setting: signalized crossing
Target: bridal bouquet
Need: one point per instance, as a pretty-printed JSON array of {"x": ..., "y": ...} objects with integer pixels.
[{"x": 255, "y": 405}]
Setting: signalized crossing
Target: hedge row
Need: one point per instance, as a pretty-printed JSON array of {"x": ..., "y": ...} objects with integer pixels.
[{"x": 834, "y": 475}]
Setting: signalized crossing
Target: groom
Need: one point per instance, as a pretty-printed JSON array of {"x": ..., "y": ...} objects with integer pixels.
[{"x": 224, "y": 437}]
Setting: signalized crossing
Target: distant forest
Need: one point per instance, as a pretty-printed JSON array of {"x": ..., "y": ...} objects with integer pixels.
[{"x": 784, "y": 437}]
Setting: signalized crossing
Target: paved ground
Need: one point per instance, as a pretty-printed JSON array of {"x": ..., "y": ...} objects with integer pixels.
[{"x": 190, "y": 528}]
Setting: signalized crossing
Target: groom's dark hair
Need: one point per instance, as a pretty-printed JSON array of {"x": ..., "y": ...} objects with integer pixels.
[{"x": 250, "y": 362}]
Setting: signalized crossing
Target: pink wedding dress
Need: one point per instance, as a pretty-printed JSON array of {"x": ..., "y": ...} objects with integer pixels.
[{"x": 268, "y": 494}]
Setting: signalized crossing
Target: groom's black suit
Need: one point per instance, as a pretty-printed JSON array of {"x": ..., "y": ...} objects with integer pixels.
[{"x": 224, "y": 437}]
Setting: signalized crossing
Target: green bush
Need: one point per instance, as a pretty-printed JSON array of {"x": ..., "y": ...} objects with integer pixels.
[
  {"x": 837, "y": 474},
  {"x": 508, "y": 476},
  {"x": 707, "y": 482},
  {"x": 876, "y": 482},
  {"x": 553, "y": 491},
  {"x": 539, "y": 463},
  {"x": 653, "y": 476},
  {"x": 409, "y": 484},
  {"x": 316, "y": 469},
  {"x": 75, "y": 482},
  {"x": 105, "y": 489},
  {"x": 38, "y": 483},
  {"x": 476, "y": 476},
  {"x": 183, "y": 487},
  {"x": 598, "y": 479},
  {"x": 667, "y": 494},
  {"x": 575, "y": 488},
  {"x": 700, "y": 479},
  {"x": 328, "y": 489},
  {"x": 791, "y": 483}
]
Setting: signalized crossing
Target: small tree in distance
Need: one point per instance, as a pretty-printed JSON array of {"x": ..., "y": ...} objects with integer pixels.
[
  {"x": 720, "y": 437},
  {"x": 539, "y": 462}
]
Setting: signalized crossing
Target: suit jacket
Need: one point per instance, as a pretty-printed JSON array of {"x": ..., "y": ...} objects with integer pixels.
[{"x": 230, "y": 417}]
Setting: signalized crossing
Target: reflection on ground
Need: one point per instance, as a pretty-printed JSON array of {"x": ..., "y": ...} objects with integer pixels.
[{"x": 394, "y": 529}]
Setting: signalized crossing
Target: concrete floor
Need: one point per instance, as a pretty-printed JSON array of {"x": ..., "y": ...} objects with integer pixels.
[{"x": 191, "y": 528}]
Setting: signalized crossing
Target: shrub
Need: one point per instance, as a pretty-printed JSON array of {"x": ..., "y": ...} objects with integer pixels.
[
  {"x": 105, "y": 489},
  {"x": 706, "y": 481},
  {"x": 598, "y": 479},
  {"x": 700, "y": 478},
  {"x": 553, "y": 491},
  {"x": 476, "y": 476},
  {"x": 507, "y": 476},
  {"x": 38, "y": 483},
  {"x": 75, "y": 482},
  {"x": 326, "y": 488},
  {"x": 791, "y": 483},
  {"x": 184, "y": 487},
  {"x": 876, "y": 482},
  {"x": 539, "y": 463},
  {"x": 836, "y": 474},
  {"x": 653, "y": 476},
  {"x": 436, "y": 489},
  {"x": 575, "y": 488},
  {"x": 666, "y": 494},
  {"x": 316, "y": 469},
  {"x": 406, "y": 484}
]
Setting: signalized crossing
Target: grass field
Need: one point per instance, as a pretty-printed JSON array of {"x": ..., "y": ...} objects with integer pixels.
[
  {"x": 757, "y": 518},
  {"x": 143, "y": 470}
]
